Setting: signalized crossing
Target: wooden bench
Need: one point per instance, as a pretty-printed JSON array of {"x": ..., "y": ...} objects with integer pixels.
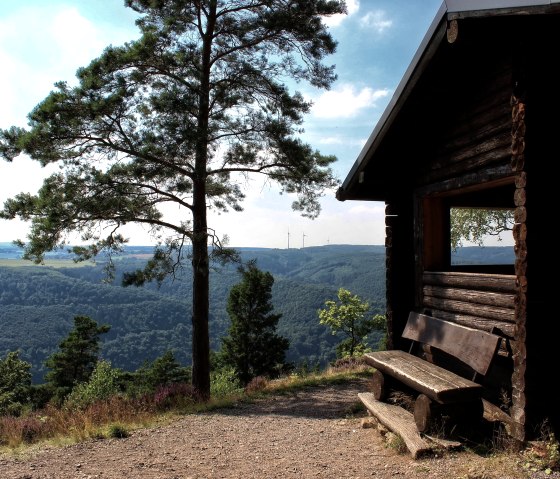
[{"x": 440, "y": 390}]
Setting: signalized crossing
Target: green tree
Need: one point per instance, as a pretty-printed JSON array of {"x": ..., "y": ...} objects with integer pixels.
[
  {"x": 102, "y": 384},
  {"x": 15, "y": 383},
  {"x": 349, "y": 317},
  {"x": 76, "y": 357},
  {"x": 252, "y": 346},
  {"x": 179, "y": 117},
  {"x": 162, "y": 371},
  {"x": 474, "y": 224}
]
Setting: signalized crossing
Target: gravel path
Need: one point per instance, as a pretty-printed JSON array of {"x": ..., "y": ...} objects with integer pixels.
[{"x": 308, "y": 434}]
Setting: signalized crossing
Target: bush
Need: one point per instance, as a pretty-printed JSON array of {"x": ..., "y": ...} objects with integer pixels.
[
  {"x": 224, "y": 383},
  {"x": 257, "y": 384},
  {"x": 24, "y": 430},
  {"x": 102, "y": 384},
  {"x": 174, "y": 395},
  {"x": 117, "y": 431},
  {"x": 15, "y": 382},
  {"x": 162, "y": 371}
]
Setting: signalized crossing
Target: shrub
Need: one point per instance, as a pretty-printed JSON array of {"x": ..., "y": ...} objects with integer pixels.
[
  {"x": 102, "y": 384},
  {"x": 257, "y": 384},
  {"x": 117, "y": 431},
  {"x": 224, "y": 383},
  {"x": 15, "y": 382},
  {"x": 174, "y": 395},
  {"x": 15, "y": 431}
]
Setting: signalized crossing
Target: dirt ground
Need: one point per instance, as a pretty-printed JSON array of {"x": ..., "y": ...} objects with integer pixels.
[{"x": 307, "y": 434}]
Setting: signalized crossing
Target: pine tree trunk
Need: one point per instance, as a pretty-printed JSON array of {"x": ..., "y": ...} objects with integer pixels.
[
  {"x": 201, "y": 304},
  {"x": 200, "y": 263}
]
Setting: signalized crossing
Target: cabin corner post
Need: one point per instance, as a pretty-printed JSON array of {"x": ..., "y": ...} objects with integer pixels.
[
  {"x": 519, "y": 350},
  {"x": 399, "y": 267},
  {"x": 390, "y": 219}
]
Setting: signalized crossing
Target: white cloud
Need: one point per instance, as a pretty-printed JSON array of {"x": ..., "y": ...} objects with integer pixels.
[
  {"x": 376, "y": 20},
  {"x": 346, "y": 102},
  {"x": 42, "y": 45},
  {"x": 352, "y": 6},
  {"x": 75, "y": 38}
]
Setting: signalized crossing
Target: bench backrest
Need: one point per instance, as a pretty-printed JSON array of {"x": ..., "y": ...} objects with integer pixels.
[{"x": 471, "y": 346}]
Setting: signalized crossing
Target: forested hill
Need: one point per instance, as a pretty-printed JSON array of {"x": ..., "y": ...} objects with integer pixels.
[{"x": 38, "y": 303}]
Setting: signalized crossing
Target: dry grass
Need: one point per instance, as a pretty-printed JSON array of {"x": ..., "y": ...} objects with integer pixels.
[
  {"x": 95, "y": 421},
  {"x": 66, "y": 425}
]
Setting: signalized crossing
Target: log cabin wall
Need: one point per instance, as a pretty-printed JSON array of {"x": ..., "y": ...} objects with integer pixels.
[
  {"x": 471, "y": 165},
  {"x": 481, "y": 131}
]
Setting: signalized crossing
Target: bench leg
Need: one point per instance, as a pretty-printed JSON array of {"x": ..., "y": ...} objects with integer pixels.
[
  {"x": 424, "y": 410},
  {"x": 380, "y": 385}
]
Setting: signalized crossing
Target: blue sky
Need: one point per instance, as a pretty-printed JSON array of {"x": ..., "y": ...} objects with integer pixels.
[{"x": 44, "y": 42}]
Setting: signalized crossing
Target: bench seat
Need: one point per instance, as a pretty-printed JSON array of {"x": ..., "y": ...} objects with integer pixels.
[{"x": 439, "y": 384}]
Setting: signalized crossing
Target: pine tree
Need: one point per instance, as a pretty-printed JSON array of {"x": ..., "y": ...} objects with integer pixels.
[
  {"x": 252, "y": 347},
  {"x": 76, "y": 357},
  {"x": 180, "y": 116}
]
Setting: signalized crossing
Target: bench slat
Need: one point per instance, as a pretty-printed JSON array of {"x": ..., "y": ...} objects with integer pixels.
[
  {"x": 473, "y": 347},
  {"x": 435, "y": 382}
]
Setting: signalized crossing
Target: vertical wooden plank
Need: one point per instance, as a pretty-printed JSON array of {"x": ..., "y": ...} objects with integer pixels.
[
  {"x": 519, "y": 400},
  {"x": 389, "y": 219}
]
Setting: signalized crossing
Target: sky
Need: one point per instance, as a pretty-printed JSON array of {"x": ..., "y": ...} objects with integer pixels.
[{"x": 44, "y": 42}]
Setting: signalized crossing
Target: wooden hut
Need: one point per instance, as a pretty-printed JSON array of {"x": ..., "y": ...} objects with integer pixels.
[{"x": 473, "y": 123}]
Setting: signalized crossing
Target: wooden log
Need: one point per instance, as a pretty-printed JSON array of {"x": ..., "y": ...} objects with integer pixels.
[
  {"x": 423, "y": 413},
  {"x": 476, "y": 322},
  {"x": 520, "y": 214},
  {"x": 517, "y": 163},
  {"x": 520, "y": 232},
  {"x": 521, "y": 180},
  {"x": 452, "y": 31},
  {"x": 380, "y": 385},
  {"x": 456, "y": 167},
  {"x": 518, "y": 148},
  {"x": 399, "y": 421},
  {"x": 520, "y": 197},
  {"x": 479, "y": 148},
  {"x": 441, "y": 184},
  {"x": 479, "y": 281},
  {"x": 505, "y": 300},
  {"x": 520, "y": 250},
  {"x": 491, "y": 107},
  {"x": 460, "y": 144},
  {"x": 521, "y": 266},
  {"x": 391, "y": 209},
  {"x": 493, "y": 413},
  {"x": 462, "y": 307}
]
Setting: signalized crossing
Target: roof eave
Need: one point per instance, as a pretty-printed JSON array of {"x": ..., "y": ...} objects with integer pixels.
[
  {"x": 405, "y": 86},
  {"x": 449, "y": 9}
]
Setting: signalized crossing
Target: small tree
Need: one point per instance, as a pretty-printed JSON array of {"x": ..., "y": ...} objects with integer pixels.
[
  {"x": 162, "y": 371},
  {"x": 253, "y": 348},
  {"x": 348, "y": 316},
  {"x": 102, "y": 384},
  {"x": 76, "y": 358},
  {"x": 15, "y": 383}
]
